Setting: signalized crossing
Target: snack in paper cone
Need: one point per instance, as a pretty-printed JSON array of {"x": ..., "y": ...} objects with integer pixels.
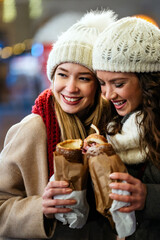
[
  {"x": 71, "y": 149},
  {"x": 100, "y": 167},
  {"x": 72, "y": 166},
  {"x": 102, "y": 162}
]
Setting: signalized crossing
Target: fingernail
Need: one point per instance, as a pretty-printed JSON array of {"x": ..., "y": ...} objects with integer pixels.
[
  {"x": 65, "y": 184},
  {"x": 68, "y": 190}
]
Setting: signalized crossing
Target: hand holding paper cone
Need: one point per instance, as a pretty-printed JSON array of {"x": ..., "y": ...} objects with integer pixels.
[
  {"x": 71, "y": 165},
  {"x": 71, "y": 160},
  {"x": 102, "y": 162}
]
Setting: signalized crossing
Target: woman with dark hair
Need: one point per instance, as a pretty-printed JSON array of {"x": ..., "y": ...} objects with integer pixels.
[{"x": 126, "y": 58}]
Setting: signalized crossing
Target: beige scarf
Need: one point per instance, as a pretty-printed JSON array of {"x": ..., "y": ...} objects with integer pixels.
[{"x": 126, "y": 143}]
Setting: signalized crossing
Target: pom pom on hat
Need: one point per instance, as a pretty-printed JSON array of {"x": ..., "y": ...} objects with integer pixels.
[
  {"x": 98, "y": 19},
  {"x": 129, "y": 45},
  {"x": 76, "y": 44}
]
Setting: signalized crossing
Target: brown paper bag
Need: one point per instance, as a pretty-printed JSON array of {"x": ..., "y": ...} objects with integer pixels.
[
  {"x": 100, "y": 167},
  {"x": 72, "y": 166},
  {"x": 76, "y": 173}
]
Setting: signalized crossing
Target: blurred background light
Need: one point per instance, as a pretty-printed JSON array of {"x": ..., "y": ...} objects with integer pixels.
[
  {"x": 28, "y": 44},
  {"x": 147, "y": 18},
  {"x": 6, "y": 52},
  {"x": 9, "y": 11},
  {"x": 18, "y": 48},
  {"x": 35, "y": 8},
  {"x": 37, "y": 49}
]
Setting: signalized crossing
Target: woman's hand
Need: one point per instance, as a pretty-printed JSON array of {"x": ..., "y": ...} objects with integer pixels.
[
  {"x": 137, "y": 189},
  {"x": 49, "y": 204}
]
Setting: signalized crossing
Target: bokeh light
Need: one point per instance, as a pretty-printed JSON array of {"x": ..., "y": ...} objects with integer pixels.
[{"x": 37, "y": 49}]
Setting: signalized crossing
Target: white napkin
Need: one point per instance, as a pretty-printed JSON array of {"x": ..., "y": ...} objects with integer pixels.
[
  {"x": 78, "y": 217},
  {"x": 125, "y": 223}
]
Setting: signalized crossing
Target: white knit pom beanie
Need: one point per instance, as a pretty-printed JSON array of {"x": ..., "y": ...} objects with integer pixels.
[
  {"x": 76, "y": 44},
  {"x": 129, "y": 45}
]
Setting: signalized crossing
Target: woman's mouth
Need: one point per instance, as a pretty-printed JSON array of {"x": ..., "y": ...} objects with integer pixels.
[
  {"x": 71, "y": 100},
  {"x": 119, "y": 104}
]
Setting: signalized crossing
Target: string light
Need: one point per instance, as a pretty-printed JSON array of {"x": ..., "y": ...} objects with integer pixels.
[
  {"x": 9, "y": 11},
  {"x": 18, "y": 48},
  {"x": 15, "y": 50},
  {"x": 6, "y": 52}
]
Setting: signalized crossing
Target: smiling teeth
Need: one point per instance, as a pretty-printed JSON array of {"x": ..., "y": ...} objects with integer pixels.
[
  {"x": 71, "y": 99},
  {"x": 118, "y": 103}
]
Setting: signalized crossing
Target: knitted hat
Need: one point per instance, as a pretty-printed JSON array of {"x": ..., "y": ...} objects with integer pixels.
[
  {"x": 129, "y": 45},
  {"x": 76, "y": 44}
]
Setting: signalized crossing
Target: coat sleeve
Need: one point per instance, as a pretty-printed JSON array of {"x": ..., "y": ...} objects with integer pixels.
[
  {"x": 152, "y": 180},
  {"x": 152, "y": 209},
  {"x": 23, "y": 177}
]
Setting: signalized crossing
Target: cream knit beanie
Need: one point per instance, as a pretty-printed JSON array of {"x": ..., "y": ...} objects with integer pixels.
[
  {"x": 129, "y": 45},
  {"x": 76, "y": 44}
]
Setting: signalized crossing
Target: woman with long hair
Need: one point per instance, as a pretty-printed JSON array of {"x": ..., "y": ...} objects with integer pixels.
[
  {"x": 126, "y": 58},
  {"x": 66, "y": 110}
]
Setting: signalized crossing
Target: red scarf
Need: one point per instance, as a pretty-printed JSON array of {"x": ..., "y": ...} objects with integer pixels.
[{"x": 44, "y": 107}]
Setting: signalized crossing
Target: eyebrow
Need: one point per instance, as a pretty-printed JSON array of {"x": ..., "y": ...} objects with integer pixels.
[
  {"x": 81, "y": 73},
  {"x": 85, "y": 73},
  {"x": 63, "y": 69}
]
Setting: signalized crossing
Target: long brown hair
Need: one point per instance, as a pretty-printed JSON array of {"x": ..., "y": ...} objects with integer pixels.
[
  {"x": 150, "y": 84},
  {"x": 150, "y": 108},
  {"x": 73, "y": 127}
]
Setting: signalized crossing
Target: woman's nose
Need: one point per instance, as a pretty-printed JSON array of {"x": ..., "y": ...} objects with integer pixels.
[
  {"x": 109, "y": 94},
  {"x": 72, "y": 85}
]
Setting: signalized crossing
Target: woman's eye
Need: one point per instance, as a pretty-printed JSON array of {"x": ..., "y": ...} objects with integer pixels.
[
  {"x": 61, "y": 74},
  {"x": 118, "y": 85},
  {"x": 84, "y": 79}
]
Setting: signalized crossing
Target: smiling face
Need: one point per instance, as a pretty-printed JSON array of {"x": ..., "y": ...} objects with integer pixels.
[
  {"x": 122, "y": 89},
  {"x": 74, "y": 87}
]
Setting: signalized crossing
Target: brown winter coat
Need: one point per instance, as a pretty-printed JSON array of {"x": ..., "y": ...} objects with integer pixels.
[{"x": 23, "y": 177}]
